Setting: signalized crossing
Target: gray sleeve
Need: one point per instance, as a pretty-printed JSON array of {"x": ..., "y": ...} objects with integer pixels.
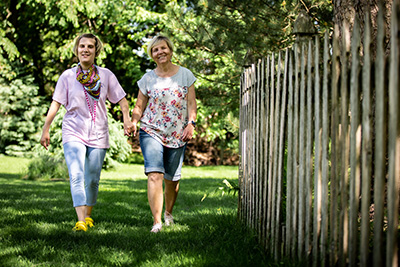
[{"x": 142, "y": 83}]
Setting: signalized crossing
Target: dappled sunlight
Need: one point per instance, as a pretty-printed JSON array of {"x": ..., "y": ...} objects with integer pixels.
[
  {"x": 37, "y": 218},
  {"x": 11, "y": 213},
  {"x": 176, "y": 228}
]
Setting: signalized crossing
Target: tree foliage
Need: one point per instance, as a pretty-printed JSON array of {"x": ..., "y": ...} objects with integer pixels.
[
  {"x": 213, "y": 38},
  {"x": 21, "y": 113}
]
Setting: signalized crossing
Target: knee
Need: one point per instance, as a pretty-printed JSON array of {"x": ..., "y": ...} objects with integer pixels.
[
  {"x": 76, "y": 177},
  {"x": 155, "y": 177}
]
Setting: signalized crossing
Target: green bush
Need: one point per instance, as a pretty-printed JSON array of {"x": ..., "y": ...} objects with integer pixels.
[
  {"x": 21, "y": 115},
  {"x": 47, "y": 166}
]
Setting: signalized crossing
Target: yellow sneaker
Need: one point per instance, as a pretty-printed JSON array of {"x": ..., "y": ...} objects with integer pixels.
[
  {"x": 89, "y": 221},
  {"x": 80, "y": 226}
]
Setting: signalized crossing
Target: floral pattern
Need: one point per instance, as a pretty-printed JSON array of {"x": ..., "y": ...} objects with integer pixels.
[{"x": 166, "y": 115}]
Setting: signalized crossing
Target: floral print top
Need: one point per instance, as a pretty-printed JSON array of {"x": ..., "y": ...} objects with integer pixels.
[{"x": 166, "y": 114}]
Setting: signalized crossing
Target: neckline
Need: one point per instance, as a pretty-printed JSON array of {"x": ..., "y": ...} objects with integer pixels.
[{"x": 179, "y": 69}]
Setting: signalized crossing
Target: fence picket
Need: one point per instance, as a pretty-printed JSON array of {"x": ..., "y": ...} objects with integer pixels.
[
  {"x": 309, "y": 151},
  {"x": 334, "y": 158},
  {"x": 266, "y": 152},
  {"x": 301, "y": 162},
  {"x": 289, "y": 184},
  {"x": 317, "y": 107},
  {"x": 344, "y": 145},
  {"x": 355, "y": 143},
  {"x": 380, "y": 142},
  {"x": 394, "y": 142},
  {"x": 366, "y": 156},
  {"x": 318, "y": 158}
]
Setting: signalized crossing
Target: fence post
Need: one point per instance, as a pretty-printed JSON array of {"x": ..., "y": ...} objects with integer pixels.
[{"x": 304, "y": 31}]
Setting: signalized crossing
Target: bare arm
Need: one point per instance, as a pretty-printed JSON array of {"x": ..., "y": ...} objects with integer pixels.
[
  {"x": 137, "y": 113},
  {"x": 51, "y": 114},
  {"x": 192, "y": 114},
  {"x": 123, "y": 103}
]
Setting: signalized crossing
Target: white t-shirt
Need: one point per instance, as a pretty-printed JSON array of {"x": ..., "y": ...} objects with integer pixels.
[
  {"x": 166, "y": 113},
  {"x": 77, "y": 122}
]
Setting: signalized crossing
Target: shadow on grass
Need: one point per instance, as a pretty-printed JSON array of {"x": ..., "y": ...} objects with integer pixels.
[
  {"x": 10, "y": 175},
  {"x": 36, "y": 220}
]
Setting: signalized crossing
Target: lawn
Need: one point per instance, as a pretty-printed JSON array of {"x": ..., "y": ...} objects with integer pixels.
[{"x": 36, "y": 218}]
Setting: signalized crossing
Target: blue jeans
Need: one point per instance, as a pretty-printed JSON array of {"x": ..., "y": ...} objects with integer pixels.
[
  {"x": 159, "y": 158},
  {"x": 84, "y": 168}
]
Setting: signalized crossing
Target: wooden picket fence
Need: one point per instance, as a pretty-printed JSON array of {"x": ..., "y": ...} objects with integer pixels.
[{"x": 319, "y": 171}]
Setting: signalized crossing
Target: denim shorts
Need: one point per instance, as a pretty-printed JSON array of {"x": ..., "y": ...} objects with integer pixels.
[{"x": 159, "y": 158}]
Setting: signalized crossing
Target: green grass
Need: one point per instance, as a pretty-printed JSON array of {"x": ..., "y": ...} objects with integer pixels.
[{"x": 36, "y": 218}]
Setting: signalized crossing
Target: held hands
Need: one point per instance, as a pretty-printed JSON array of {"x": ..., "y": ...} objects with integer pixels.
[
  {"x": 129, "y": 127},
  {"x": 134, "y": 129},
  {"x": 188, "y": 133}
]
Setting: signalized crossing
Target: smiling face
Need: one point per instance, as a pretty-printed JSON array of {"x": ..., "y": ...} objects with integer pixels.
[
  {"x": 86, "y": 52},
  {"x": 161, "y": 53}
]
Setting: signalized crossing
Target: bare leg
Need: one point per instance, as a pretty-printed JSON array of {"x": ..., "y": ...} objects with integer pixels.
[
  {"x": 171, "y": 193},
  {"x": 155, "y": 194},
  {"x": 88, "y": 211},
  {"x": 81, "y": 212}
]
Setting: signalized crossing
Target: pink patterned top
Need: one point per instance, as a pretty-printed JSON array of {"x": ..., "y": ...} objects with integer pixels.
[{"x": 78, "y": 122}]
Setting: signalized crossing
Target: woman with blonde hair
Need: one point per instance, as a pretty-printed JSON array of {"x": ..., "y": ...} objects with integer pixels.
[
  {"x": 166, "y": 108},
  {"x": 83, "y": 91}
]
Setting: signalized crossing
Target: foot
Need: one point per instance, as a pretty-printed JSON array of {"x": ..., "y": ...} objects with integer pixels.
[
  {"x": 89, "y": 221},
  {"x": 80, "y": 226},
  {"x": 156, "y": 228},
  {"x": 168, "y": 218}
]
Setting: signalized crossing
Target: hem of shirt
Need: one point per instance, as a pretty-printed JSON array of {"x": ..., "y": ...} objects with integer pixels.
[
  {"x": 80, "y": 140},
  {"x": 161, "y": 142}
]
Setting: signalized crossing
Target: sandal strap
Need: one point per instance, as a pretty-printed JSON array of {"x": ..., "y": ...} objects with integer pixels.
[
  {"x": 156, "y": 228},
  {"x": 80, "y": 226},
  {"x": 89, "y": 221}
]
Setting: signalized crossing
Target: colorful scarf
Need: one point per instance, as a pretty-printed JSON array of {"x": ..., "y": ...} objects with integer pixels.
[{"x": 90, "y": 81}]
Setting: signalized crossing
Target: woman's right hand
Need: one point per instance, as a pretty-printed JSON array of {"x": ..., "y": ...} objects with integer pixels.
[{"x": 45, "y": 139}]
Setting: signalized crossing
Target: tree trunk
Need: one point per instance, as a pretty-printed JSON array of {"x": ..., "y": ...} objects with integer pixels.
[{"x": 345, "y": 11}]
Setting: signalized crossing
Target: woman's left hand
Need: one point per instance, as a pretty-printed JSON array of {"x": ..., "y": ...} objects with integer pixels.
[{"x": 188, "y": 133}]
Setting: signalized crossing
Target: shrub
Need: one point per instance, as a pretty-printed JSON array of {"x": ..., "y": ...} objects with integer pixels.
[{"x": 21, "y": 115}]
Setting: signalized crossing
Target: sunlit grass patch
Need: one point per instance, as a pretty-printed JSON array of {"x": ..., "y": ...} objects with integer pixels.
[{"x": 36, "y": 220}]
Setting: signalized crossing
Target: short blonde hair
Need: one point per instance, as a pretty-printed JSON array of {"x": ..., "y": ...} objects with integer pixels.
[
  {"x": 98, "y": 43},
  {"x": 155, "y": 41}
]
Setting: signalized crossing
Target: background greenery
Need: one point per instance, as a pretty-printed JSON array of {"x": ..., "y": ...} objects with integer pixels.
[
  {"x": 213, "y": 38},
  {"x": 36, "y": 219}
]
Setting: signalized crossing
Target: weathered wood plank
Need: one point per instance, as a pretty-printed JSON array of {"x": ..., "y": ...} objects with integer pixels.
[
  {"x": 318, "y": 156},
  {"x": 301, "y": 189},
  {"x": 355, "y": 146},
  {"x": 281, "y": 152},
  {"x": 345, "y": 144},
  {"x": 380, "y": 142},
  {"x": 334, "y": 158},
  {"x": 366, "y": 156},
  {"x": 289, "y": 166},
  {"x": 309, "y": 151},
  {"x": 394, "y": 141}
]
